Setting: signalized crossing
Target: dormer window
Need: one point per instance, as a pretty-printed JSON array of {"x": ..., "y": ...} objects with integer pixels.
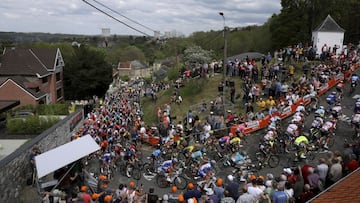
[{"x": 44, "y": 79}]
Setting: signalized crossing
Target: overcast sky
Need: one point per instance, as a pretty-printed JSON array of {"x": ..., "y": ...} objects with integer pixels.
[{"x": 182, "y": 16}]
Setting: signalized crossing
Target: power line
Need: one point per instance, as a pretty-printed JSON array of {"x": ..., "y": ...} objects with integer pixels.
[
  {"x": 115, "y": 18},
  {"x": 123, "y": 15}
]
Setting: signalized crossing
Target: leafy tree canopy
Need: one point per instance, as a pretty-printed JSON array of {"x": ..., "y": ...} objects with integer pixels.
[{"x": 86, "y": 74}]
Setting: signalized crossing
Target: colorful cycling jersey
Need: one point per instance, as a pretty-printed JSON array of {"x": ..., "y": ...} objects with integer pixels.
[
  {"x": 328, "y": 125},
  {"x": 354, "y": 78},
  {"x": 204, "y": 169},
  {"x": 107, "y": 157},
  {"x": 190, "y": 148},
  {"x": 331, "y": 98},
  {"x": 320, "y": 112},
  {"x": 301, "y": 139},
  {"x": 291, "y": 129},
  {"x": 196, "y": 154},
  {"x": 156, "y": 153},
  {"x": 356, "y": 119},
  {"x": 224, "y": 139},
  {"x": 317, "y": 123},
  {"x": 237, "y": 157},
  {"x": 336, "y": 109},
  {"x": 269, "y": 135},
  {"x": 357, "y": 106},
  {"x": 300, "y": 108},
  {"x": 297, "y": 119},
  {"x": 235, "y": 140},
  {"x": 166, "y": 165}
]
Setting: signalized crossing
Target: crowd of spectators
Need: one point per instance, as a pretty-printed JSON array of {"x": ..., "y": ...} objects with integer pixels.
[{"x": 270, "y": 87}]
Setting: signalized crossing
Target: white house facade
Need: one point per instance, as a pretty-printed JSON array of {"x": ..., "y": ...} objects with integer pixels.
[{"x": 328, "y": 33}]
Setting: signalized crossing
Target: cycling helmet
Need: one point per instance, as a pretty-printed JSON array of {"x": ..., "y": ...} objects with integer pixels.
[
  {"x": 213, "y": 162},
  {"x": 321, "y": 107},
  {"x": 333, "y": 92},
  {"x": 174, "y": 160}
]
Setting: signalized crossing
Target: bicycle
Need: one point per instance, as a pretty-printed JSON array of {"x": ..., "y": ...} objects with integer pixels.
[
  {"x": 267, "y": 159},
  {"x": 294, "y": 159},
  {"x": 178, "y": 180}
]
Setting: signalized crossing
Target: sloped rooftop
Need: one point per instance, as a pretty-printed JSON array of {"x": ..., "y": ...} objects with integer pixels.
[
  {"x": 329, "y": 25},
  {"x": 345, "y": 190}
]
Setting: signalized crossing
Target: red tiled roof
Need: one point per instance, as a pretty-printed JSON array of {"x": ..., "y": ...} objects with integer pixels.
[{"x": 346, "y": 190}]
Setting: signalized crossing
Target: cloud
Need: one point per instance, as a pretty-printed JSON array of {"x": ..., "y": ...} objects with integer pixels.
[{"x": 184, "y": 16}]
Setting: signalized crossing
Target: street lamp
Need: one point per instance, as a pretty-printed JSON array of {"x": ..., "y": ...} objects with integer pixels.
[{"x": 224, "y": 62}]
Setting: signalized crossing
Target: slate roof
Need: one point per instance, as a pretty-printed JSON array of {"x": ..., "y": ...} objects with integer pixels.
[
  {"x": 27, "y": 62},
  {"x": 329, "y": 25},
  {"x": 345, "y": 190}
]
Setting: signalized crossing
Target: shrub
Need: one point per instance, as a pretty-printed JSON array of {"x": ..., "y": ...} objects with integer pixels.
[
  {"x": 30, "y": 125},
  {"x": 53, "y": 109},
  {"x": 192, "y": 88}
]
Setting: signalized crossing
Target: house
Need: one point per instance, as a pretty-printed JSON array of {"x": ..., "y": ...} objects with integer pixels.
[
  {"x": 32, "y": 76},
  {"x": 133, "y": 69},
  {"x": 328, "y": 34},
  {"x": 345, "y": 190}
]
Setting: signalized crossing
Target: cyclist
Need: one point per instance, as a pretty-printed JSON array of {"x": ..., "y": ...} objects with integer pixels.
[
  {"x": 224, "y": 141},
  {"x": 326, "y": 129},
  {"x": 291, "y": 132},
  {"x": 331, "y": 98},
  {"x": 197, "y": 155},
  {"x": 189, "y": 150},
  {"x": 156, "y": 153},
  {"x": 301, "y": 142},
  {"x": 274, "y": 122},
  {"x": 354, "y": 80},
  {"x": 336, "y": 111},
  {"x": 317, "y": 123},
  {"x": 168, "y": 167},
  {"x": 235, "y": 143},
  {"x": 236, "y": 157},
  {"x": 339, "y": 87},
  {"x": 270, "y": 135},
  {"x": 205, "y": 169},
  {"x": 357, "y": 106},
  {"x": 320, "y": 112},
  {"x": 356, "y": 122},
  {"x": 301, "y": 108}
]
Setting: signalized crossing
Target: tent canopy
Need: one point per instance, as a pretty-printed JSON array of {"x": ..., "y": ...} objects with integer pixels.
[{"x": 63, "y": 155}]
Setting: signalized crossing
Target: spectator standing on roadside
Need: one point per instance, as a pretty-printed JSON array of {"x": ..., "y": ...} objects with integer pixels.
[
  {"x": 335, "y": 172},
  {"x": 219, "y": 189},
  {"x": 227, "y": 198},
  {"x": 322, "y": 169},
  {"x": 232, "y": 187},
  {"x": 279, "y": 196}
]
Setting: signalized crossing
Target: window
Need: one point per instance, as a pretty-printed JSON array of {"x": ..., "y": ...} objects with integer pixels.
[
  {"x": 58, "y": 93},
  {"x": 58, "y": 76},
  {"x": 44, "y": 79}
]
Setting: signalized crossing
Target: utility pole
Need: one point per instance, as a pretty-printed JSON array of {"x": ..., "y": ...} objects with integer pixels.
[{"x": 224, "y": 64}]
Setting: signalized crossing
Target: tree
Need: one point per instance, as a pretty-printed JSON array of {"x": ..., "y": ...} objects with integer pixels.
[
  {"x": 86, "y": 73},
  {"x": 195, "y": 54}
]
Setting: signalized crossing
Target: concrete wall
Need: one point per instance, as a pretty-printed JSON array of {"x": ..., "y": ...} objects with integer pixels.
[{"x": 15, "y": 168}]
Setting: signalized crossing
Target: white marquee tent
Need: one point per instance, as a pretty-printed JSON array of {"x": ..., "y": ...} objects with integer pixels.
[{"x": 63, "y": 155}]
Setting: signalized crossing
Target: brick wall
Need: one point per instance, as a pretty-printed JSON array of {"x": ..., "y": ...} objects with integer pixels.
[{"x": 14, "y": 168}]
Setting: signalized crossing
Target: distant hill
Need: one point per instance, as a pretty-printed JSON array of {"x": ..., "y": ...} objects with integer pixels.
[
  {"x": 20, "y": 37},
  {"x": 38, "y": 37}
]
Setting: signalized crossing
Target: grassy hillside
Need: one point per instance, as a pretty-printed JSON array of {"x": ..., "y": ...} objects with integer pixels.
[{"x": 194, "y": 93}]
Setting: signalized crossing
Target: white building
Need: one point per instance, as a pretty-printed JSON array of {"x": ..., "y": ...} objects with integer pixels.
[{"x": 328, "y": 33}]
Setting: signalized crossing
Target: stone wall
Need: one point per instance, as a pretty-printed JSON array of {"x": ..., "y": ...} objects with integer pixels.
[{"x": 15, "y": 168}]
